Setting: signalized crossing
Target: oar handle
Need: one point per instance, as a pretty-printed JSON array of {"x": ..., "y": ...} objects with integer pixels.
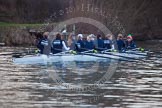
[
  {"x": 109, "y": 50},
  {"x": 86, "y": 51}
]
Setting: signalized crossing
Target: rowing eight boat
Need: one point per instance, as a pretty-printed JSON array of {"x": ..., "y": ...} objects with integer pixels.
[{"x": 43, "y": 59}]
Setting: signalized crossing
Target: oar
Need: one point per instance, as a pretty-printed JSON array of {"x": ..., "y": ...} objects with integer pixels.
[
  {"x": 128, "y": 59},
  {"x": 109, "y": 53},
  {"x": 136, "y": 53},
  {"x": 29, "y": 52},
  {"x": 19, "y": 54},
  {"x": 140, "y": 50},
  {"x": 6, "y": 53},
  {"x": 95, "y": 55},
  {"x": 24, "y": 53},
  {"x": 61, "y": 52},
  {"x": 146, "y": 51},
  {"x": 64, "y": 52},
  {"x": 32, "y": 52},
  {"x": 86, "y": 51},
  {"x": 159, "y": 52},
  {"x": 136, "y": 49},
  {"x": 151, "y": 52}
]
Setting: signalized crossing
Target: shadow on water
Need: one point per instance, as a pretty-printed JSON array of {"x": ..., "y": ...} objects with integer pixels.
[{"x": 72, "y": 84}]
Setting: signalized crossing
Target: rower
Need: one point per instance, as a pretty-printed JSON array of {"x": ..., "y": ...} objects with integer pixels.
[
  {"x": 71, "y": 41},
  {"x": 44, "y": 44},
  {"x": 130, "y": 44},
  {"x": 80, "y": 43},
  {"x": 58, "y": 45},
  {"x": 93, "y": 37},
  {"x": 38, "y": 40},
  {"x": 120, "y": 43},
  {"x": 108, "y": 42},
  {"x": 89, "y": 44},
  {"x": 99, "y": 43}
]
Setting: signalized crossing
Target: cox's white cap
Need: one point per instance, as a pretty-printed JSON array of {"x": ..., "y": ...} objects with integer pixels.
[
  {"x": 80, "y": 35},
  {"x": 92, "y": 35},
  {"x": 64, "y": 31}
]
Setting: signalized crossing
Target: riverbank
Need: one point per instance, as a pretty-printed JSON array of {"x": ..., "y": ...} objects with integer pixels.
[
  {"x": 26, "y": 25},
  {"x": 148, "y": 45},
  {"x": 16, "y": 34},
  {"x": 12, "y": 34}
]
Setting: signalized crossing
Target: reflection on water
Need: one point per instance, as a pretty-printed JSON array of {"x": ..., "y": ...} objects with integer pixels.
[{"x": 134, "y": 84}]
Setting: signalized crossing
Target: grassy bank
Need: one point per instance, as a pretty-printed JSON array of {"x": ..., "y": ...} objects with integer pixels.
[
  {"x": 5, "y": 24},
  {"x": 13, "y": 34}
]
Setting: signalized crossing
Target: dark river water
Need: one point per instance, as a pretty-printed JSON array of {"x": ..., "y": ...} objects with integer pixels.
[{"x": 75, "y": 84}]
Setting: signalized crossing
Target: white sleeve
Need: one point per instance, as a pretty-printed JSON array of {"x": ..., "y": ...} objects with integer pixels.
[
  {"x": 65, "y": 47},
  {"x": 113, "y": 47}
]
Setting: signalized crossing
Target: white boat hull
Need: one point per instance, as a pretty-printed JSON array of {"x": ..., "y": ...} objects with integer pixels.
[{"x": 43, "y": 59}]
